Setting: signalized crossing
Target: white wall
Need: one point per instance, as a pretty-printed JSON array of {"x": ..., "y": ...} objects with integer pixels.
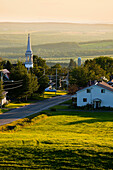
[
  {"x": 3, "y": 101},
  {"x": 107, "y": 97}
]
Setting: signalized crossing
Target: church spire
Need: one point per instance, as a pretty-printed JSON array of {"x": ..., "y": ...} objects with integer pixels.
[
  {"x": 29, "y": 55},
  {"x": 29, "y": 44}
]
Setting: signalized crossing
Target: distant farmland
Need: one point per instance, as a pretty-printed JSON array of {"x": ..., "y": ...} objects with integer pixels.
[{"x": 56, "y": 42}]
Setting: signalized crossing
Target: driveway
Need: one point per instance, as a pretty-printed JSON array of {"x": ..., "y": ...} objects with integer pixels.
[{"x": 25, "y": 111}]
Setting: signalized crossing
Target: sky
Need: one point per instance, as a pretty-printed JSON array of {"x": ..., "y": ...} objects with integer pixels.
[{"x": 83, "y": 11}]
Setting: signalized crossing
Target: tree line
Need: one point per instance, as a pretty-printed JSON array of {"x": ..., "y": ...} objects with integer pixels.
[
  {"x": 100, "y": 68},
  {"x": 36, "y": 79},
  {"x": 24, "y": 83}
]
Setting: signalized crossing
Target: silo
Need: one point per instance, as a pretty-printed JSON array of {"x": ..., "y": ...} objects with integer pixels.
[{"x": 79, "y": 61}]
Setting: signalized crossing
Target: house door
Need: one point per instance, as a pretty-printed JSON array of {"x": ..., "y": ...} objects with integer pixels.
[{"x": 97, "y": 104}]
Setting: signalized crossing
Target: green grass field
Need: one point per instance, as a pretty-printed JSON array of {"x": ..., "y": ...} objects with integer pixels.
[
  {"x": 59, "y": 140},
  {"x": 16, "y": 105}
]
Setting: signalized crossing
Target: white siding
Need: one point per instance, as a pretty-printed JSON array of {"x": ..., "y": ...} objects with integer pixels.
[
  {"x": 3, "y": 101},
  {"x": 106, "y": 98}
]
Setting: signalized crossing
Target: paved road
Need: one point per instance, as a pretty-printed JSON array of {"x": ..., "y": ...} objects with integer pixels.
[{"x": 22, "y": 112}]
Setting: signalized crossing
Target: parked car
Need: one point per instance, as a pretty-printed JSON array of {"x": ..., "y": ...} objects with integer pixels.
[{"x": 50, "y": 90}]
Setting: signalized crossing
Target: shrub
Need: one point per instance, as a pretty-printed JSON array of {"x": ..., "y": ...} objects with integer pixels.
[{"x": 53, "y": 109}]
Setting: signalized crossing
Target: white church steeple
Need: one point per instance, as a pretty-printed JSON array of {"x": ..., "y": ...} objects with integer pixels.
[
  {"x": 29, "y": 44},
  {"x": 29, "y": 55}
]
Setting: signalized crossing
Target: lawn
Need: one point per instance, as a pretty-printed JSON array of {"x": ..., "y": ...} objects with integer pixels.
[
  {"x": 53, "y": 94},
  {"x": 59, "y": 140},
  {"x": 49, "y": 95},
  {"x": 15, "y": 105}
]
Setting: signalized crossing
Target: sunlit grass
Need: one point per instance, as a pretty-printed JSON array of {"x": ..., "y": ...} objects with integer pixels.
[
  {"x": 60, "y": 140},
  {"x": 52, "y": 94},
  {"x": 15, "y": 105}
]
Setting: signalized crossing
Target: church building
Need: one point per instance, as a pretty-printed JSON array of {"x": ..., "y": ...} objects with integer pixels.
[{"x": 29, "y": 55}]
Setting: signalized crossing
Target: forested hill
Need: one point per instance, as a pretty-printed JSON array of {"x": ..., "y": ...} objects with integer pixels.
[
  {"x": 61, "y": 45},
  {"x": 63, "y": 51},
  {"x": 56, "y": 42}
]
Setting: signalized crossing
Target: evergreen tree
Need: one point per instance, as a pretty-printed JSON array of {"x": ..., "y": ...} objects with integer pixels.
[
  {"x": 8, "y": 65},
  {"x": 39, "y": 66},
  {"x": 39, "y": 61},
  {"x": 72, "y": 64},
  {"x": 28, "y": 82}
]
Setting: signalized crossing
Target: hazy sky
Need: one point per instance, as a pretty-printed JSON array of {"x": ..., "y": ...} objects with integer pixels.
[{"x": 57, "y": 10}]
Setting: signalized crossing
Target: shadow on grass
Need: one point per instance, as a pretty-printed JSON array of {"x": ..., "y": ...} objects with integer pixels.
[
  {"x": 94, "y": 116},
  {"x": 33, "y": 157}
]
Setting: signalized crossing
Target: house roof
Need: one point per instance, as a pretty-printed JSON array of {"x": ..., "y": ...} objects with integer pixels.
[
  {"x": 100, "y": 84},
  {"x": 110, "y": 82},
  {"x": 5, "y": 71},
  {"x": 105, "y": 85},
  {"x": 74, "y": 96},
  {"x": 4, "y": 93}
]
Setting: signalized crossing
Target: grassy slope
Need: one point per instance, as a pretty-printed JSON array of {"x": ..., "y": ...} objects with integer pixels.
[
  {"x": 64, "y": 140},
  {"x": 62, "y": 52}
]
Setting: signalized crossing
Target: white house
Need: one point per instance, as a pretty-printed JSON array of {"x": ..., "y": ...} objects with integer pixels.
[{"x": 99, "y": 94}]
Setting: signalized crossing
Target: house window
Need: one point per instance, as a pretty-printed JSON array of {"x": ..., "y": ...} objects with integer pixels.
[
  {"x": 88, "y": 90},
  {"x": 84, "y": 99},
  {"x": 102, "y": 90}
]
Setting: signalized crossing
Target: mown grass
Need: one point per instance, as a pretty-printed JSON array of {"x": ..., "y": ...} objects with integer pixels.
[
  {"x": 60, "y": 140},
  {"x": 15, "y": 105}
]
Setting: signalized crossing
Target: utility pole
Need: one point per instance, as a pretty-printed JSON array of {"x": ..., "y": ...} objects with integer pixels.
[
  {"x": 67, "y": 79},
  {"x": 56, "y": 78},
  {"x": 1, "y": 76},
  {"x": 1, "y": 86},
  {"x": 44, "y": 71}
]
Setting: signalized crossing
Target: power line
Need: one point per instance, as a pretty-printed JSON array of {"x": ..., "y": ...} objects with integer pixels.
[
  {"x": 9, "y": 81},
  {"x": 11, "y": 84},
  {"x": 14, "y": 87}
]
